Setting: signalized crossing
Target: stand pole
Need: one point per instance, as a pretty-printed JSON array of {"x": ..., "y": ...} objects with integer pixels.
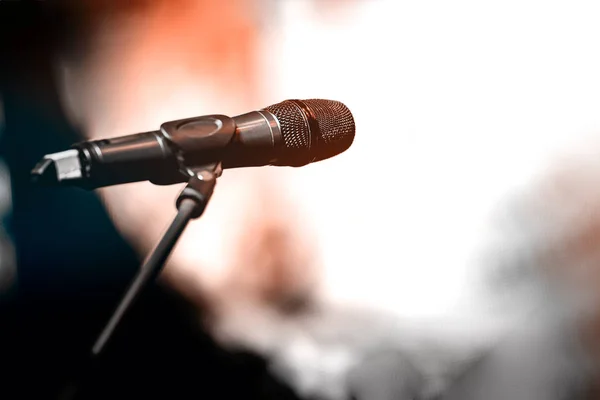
[
  {"x": 149, "y": 270},
  {"x": 190, "y": 205}
]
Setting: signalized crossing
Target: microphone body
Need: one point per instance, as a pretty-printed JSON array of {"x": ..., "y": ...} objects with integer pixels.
[{"x": 290, "y": 133}]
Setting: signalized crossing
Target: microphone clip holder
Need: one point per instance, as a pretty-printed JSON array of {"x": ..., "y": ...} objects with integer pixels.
[{"x": 191, "y": 204}]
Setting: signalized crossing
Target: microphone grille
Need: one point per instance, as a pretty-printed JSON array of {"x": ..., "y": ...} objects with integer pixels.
[
  {"x": 336, "y": 126},
  {"x": 330, "y": 123},
  {"x": 294, "y": 125}
]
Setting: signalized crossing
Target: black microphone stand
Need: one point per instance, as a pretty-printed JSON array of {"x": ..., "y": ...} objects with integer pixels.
[
  {"x": 207, "y": 135},
  {"x": 191, "y": 204}
]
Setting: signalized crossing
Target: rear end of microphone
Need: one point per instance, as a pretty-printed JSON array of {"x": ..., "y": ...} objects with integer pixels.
[
  {"x": 141, "y": 157},
  {"x": 98, "y": 163}
]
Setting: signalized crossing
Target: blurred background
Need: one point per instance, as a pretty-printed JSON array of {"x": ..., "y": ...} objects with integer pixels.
[{"x": 451, "y": 252}]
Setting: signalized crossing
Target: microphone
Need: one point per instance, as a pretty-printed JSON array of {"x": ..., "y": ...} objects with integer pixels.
[{"x": 291, "y": 133}]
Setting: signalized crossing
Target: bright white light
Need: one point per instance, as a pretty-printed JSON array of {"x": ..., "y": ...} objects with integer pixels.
[{"x": 457, "y": 104}]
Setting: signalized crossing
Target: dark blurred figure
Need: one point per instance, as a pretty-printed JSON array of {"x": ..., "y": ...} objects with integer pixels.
[{"x": 72, "y": 265}]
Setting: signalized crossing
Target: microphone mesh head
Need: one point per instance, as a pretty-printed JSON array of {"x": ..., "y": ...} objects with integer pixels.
[
  {"x": 313, "y": 130},
  {"x": 293, "y": 123}
]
